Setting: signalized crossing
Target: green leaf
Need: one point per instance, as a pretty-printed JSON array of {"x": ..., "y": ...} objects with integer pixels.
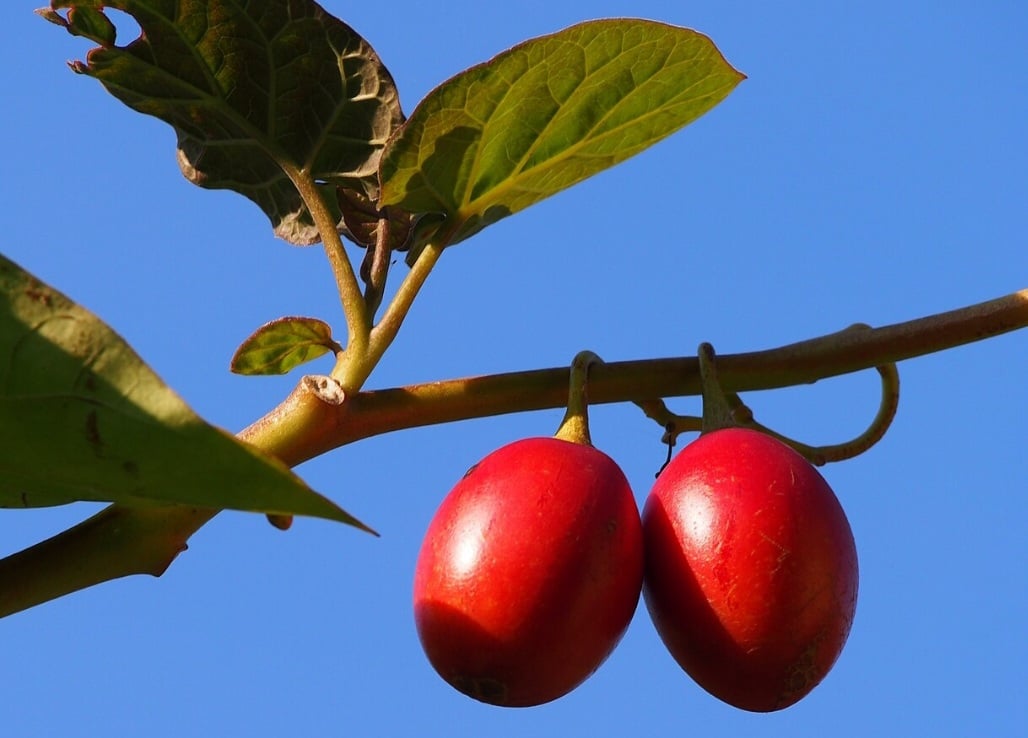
[
  {"x": 285, "y": 343},
  {"x": 254, "y": 90},
  {"x": 83, "y": 418},
  {"x": 547, "y": 114}
]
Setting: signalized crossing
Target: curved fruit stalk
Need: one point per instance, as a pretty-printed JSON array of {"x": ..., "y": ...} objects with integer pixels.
[
  {"x": 529, "y": 573},
  {"x": 722, "y": 409},
  {"x": 751, "y": 568}
]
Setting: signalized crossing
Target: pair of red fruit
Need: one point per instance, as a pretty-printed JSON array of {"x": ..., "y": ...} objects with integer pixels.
[{"x": 533, "y": 565}]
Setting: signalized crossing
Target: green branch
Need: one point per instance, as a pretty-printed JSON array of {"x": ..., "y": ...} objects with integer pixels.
[
  {"x": 385, "y": 331},
  {"x": 355, "y": 309}
]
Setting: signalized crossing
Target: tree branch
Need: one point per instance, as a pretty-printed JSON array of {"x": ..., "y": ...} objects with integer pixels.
[
  {"x": 121, "y": 541},
  {"x": 116, "y": 542},
  {"x": 376, "y": 412}
]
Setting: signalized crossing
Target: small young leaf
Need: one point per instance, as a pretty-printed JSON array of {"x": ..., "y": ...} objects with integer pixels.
[
  {"x": 85, "y": 21},
  {"x": 363, "y": 219},
  {"x": 83, "y": 418},
  {"x": 285, "y": 343},
  {"x": 252, "y": 89},
  {"x": 547, "y": 114}
]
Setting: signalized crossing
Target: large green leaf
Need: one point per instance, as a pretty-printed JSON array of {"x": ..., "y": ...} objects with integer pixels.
[
  {"x": 83, "y": 418},
  {"x": 249, "y": 87},
  {"x": 547, "y": 114}
]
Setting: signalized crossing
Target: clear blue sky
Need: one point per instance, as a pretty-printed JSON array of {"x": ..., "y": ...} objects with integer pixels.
[{"x": 872, "y": 168}]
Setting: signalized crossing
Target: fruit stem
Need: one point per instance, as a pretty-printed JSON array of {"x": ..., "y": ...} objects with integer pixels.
[
  {"x": 887, "y": 407},
  {"x": 721, "y": 409},
  {"x": 575, "y": 425}
]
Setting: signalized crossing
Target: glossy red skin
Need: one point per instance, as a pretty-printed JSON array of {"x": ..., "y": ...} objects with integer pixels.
[
  {"x": 529, "y": 573},
  {"x": 751, "y": 569}
]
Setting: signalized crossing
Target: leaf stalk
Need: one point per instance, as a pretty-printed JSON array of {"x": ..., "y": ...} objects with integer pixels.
[{"x": 355, "y": 309}]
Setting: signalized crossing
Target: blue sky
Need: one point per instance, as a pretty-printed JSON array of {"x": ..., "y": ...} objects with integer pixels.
[{"x": 872, "y": 168}]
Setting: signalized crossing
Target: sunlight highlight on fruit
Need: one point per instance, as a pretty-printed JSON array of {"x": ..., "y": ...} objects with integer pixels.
[
  {"x": 751, "y": 569},
  {"x": 529, "y": 572}
]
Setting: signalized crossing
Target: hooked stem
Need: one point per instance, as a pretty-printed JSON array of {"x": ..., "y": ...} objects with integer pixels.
[{"x": 575, "y": 425}]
